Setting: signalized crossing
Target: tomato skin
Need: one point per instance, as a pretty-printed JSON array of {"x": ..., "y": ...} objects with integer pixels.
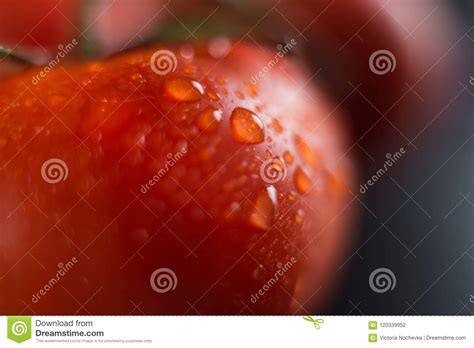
[{"x": 148, "y": 189}]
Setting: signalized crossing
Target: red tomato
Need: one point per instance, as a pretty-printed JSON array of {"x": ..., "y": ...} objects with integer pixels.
[{"x": 225, "y": 170}]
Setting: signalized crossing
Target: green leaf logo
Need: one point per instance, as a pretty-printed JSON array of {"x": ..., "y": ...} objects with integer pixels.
[
  {"x": 316, "y": 322},
  {"x": 19, "y": 328}
]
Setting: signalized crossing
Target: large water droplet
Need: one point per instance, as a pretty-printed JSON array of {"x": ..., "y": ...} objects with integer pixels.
[
  {"x": 183, "y": 89},
  {"x": 246, "y": 127},
  {"x": 264, "y": 208}
]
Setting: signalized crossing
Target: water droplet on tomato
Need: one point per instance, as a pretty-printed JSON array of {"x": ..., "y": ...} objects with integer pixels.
[
  {"x": 187, "y": 51},
  {"x": 277, "y": 125},
  {"x": 189, "y": 69},
  {"x": 213, "y": 96},
  {"x": 239, "y": 95},
  {"x": 268, "y": 154},
  {"x": 263, "y": 209},
  {"x": 252, "y": 89},
  {"x": 232, "y": 210},
  {"x": 302, "y": 181},
  {"x": 306, "y": 152},
  {"x": 209, "y": 119},
  {"x": 288, "y": 157},
  {"x": 136, "y": 77},
  {"x": 183, "y": 89},
  {"x": 299, "y": 216},
  {"x": 246, "y": 127},
  {"x": 291, "y": 196},
  {"x": 219, "y": 47}
]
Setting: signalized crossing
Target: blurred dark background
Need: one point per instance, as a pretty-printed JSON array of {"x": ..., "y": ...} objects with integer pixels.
[{"x": 418, "y": 220}]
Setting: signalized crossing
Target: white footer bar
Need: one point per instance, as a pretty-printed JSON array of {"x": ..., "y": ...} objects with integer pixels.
[{"x": 237, "y": 331}]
